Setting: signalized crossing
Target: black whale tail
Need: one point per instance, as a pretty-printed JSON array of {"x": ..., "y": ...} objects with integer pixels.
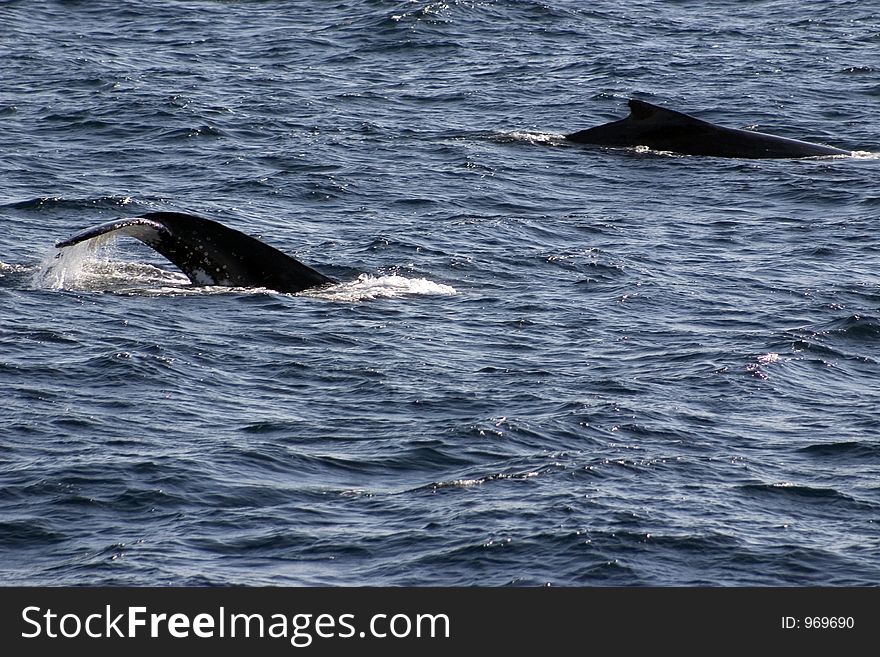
[{"x": 210, "y": 253}]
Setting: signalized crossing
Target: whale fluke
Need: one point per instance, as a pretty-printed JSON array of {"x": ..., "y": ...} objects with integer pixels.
[{"x": 210, "y": 253}]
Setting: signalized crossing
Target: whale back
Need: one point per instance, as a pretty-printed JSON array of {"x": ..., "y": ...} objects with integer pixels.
[{"x": 663, "y": 129}]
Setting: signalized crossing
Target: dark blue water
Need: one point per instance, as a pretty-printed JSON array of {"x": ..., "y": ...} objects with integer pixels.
[{"x": 546, "y": 363}]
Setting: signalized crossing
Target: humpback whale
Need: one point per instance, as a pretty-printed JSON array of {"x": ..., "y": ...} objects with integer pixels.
[
  {"x": 667, "y": 130},
  {"x": 210, "y": 253}
]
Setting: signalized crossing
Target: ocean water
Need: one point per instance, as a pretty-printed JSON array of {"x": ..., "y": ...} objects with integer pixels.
[{"x": 546, "y": 363}]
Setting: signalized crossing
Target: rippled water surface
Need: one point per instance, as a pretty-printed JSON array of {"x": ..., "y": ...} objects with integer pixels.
[{"x": 545, "y": 362}]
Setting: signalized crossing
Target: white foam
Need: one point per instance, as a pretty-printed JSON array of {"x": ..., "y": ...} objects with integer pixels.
[
  {"x": 641, "y": 150},
  {"x": 545, "y": 138},
  {"x": 6, "y": 268},
  {"x": 368, "y": 287}
]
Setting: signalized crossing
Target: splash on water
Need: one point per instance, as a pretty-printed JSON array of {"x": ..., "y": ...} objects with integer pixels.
[
  {"x": 89, "y": 266},
  {"x": 368, "y": 287},
  {"x": 6, "y": 268},
  {"x": 537, "y": 138},
  {"x": 72, "y": 267}
]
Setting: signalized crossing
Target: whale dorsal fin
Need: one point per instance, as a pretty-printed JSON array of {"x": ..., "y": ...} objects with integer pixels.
[
  {"x": 662, "y": 129},
  {"x": 642, "y": 111}
]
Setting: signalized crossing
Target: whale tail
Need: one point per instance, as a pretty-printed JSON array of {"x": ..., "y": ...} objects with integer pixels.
[{"x": 210, "y": 253}]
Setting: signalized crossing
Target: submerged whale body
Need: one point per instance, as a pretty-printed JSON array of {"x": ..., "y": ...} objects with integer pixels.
[
  {"x": 662, "y": 129},
  {"x": 210, "y": 253}
]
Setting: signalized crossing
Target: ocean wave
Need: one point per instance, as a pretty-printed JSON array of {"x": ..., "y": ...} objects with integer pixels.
[
  {"x": 858, "y": 328},
  {"x": 63, "y": 203},
  {"x": 802, "y": 494},
  {"x": 25, "y": 533},
  {"x": 848, "y": 338},
  {"x": 844, "y": 451}
]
